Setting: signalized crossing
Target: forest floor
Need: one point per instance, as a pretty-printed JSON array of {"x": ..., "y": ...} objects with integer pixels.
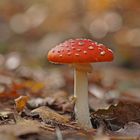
[{"x": 38, "y": 105}]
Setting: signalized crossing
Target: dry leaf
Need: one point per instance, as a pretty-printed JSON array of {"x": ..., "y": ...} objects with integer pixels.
[
  {"x": 131, "y": 129},
  {"x": 116, "y": 117},
  {"x": 7, "y": 117},
  {"x": 23, "y": 127},
  {"x": 46, "y": 113},
  {"x": 21, "y": 102},
  {"x": 60, "y": 101},
  {"x": 7, "y": 136}
]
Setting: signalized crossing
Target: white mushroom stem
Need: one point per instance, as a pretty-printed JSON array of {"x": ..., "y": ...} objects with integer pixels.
[{"x": 81, "y": 93}]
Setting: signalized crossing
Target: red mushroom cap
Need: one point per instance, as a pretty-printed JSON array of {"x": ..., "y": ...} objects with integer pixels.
[{"x": 80, "y": 51}]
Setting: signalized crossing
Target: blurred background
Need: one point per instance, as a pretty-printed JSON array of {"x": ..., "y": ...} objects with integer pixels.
[{"x": 29, "y": 28}]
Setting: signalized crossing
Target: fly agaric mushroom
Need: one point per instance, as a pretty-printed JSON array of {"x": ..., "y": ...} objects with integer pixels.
[{"x": 80, "y": 53}]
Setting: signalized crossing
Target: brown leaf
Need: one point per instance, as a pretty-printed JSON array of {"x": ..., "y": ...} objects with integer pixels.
[
  {"x": 46, "y": 113},
  {"x": 117, "y": 116},
  {"x": 131, "y": 129},
  {"x": 7, "y": 136},
  {"x": 21, "y": 102},
  {"x": 68, "y": 107},
  {"x": 23, "y": 127},
  {"x": 7, "y": 117},
  {"x": 101, "y": 137}
]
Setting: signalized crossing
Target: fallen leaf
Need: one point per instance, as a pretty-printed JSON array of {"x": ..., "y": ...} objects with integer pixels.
[
  {"x": 60, "y": 101},
  {"x": 23, "y": 127},
  {"x": 7, "y": 136},
  {"x": 63, "y": 105},
  {"x": 21, "y": 102},
  {"x": 7, "y": 117},
  {"x": 101, "y": 137},
  {"x": 131, "y": 129},
  {"x": 47, "y": 127},
  {"x": 117, "y": 116},
  {"x": 68, "y": 107},
  {"x": 50, "y": 101},
  {"x": 46, "y": 113}
]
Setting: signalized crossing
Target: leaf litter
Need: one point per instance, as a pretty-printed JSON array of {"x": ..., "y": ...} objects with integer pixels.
[{"x": 31, "y": 109}]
